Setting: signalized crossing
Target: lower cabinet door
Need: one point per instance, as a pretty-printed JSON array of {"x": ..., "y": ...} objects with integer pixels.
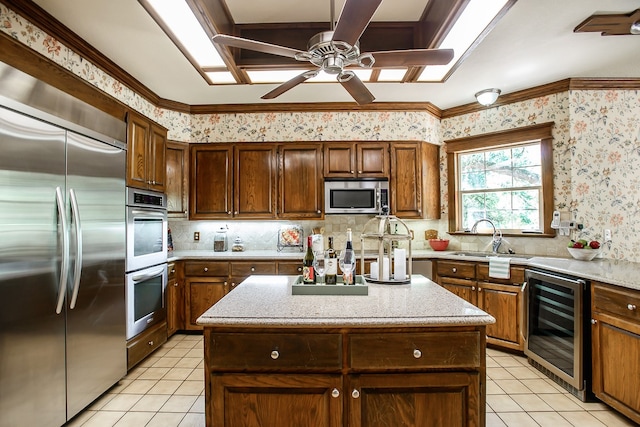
[
  {"x": 275, "y": 400},
  {"x": 414, "y": 400}
]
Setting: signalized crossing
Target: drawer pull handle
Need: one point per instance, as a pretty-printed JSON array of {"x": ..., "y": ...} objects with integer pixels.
[
  {"x": 335, "y": 393},
  {"x": 631, "y": 307},
  {"x": 455, "y": 270},
  {"x": 417, "y": 353},
  {"x": 275, "y": 354},
  {"x": 150, "y": 343},
  {"x": 355, "y": 393},
  {"x": 206, "y": 269}
]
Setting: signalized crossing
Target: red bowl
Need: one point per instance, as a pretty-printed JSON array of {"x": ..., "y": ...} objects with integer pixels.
[{"x": 438, "y": 244}]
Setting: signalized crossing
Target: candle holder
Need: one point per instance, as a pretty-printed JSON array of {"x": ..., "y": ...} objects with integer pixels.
[{"x": 385, "y": 230}]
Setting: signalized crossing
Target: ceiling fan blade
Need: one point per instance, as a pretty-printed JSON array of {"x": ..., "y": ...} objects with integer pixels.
[
  {"x": 290, "y": 84},
  {"x": 412, "y": 57},
  {"x": 357, "y": 90},
  {"x": 254, "y": 45},
  {"x": 353, "y": 20}
]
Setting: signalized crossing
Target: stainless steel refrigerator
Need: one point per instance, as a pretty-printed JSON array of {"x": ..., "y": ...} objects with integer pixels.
[{"x": 62, "y": 249}]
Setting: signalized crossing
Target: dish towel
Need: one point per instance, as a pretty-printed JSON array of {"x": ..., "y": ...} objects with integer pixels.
[{"x": 499, "y": 267}]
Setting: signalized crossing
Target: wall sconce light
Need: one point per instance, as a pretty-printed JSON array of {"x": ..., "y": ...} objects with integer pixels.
[{"x": 488, "y": 96}]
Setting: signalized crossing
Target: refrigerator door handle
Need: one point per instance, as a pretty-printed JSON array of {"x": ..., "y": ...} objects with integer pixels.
[
  {"x": 64, "y": 263},
  {"x": 77, "y": 271}
]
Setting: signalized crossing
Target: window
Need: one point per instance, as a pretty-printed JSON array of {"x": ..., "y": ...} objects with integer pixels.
[{"x": 505, "y": 177}]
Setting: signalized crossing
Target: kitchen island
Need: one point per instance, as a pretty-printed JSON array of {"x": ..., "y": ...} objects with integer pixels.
[{"x": 403, "y": 355}]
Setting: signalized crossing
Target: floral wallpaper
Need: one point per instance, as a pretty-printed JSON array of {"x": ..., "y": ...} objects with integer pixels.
[{"x": 596, "y": 144}]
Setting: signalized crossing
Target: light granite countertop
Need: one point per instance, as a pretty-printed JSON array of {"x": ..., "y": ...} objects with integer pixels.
[
  {"x": 616, "y": 272},
  {"x": 267, "y": 301}
]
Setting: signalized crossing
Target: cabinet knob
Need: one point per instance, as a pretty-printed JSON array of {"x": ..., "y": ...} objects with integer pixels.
[
  {"x": 631, "y": 307},
  {"x": 351, "y": 172},
  {"x": 355, "y": 393},
  {"x": 479, "y": 289},
  {"x": 594, "y": 321},
  {"x": 150, "y": 343},
  {"x": 455, "y": 270},
  {"x": 235, "y": 213},
  {"x": 253, "y": 269},
  {"x": 173, "y": 270},
  {"x": 275, "y": 354},
  {"x": 228, "y": 212},
  {"x": 473, "y": 288},
  {"x": 359, "y": 171},
  {"x": 319, "y": 211},
  {"x": 175, "y": 284},
  {"x": 299, "y": 269},
  {"x": 417, "y": 353},
  {"x": 335, "y": 393},
  {"x": 206, "y": 269}
]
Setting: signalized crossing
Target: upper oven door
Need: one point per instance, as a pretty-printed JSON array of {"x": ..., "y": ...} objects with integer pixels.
[{"x": 146, "y": 237}]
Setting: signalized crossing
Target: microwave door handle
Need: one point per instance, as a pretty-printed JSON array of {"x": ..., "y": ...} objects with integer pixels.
[
  {"x": 77, "y": 271},
  {"x": 151, "y": 275},
  {"x": 64, "y": 267}
]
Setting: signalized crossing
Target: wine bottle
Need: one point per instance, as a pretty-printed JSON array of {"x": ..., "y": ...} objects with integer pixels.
[
  {"x": 308, "y": 275},
  {"x": 348, "y": 261},
  {"x": 331, "y": 265}
]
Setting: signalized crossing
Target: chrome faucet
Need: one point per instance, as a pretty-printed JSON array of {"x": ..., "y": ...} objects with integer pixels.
[{"x": 497, "y": 234}]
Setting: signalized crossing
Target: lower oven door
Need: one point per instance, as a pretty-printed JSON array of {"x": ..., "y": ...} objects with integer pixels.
[
  {"x": 555, "y": 329},
  {"x": 145, "y": 298}
]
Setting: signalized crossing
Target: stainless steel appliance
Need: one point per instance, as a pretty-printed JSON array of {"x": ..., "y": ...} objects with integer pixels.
[
  {"x": 62, "y": 222},
  {"x": 355, "y": 196},
  {"x": 557, "y": 329},
  {"x": 146, "y": 228},
  {"x": 146, "y": 278}
]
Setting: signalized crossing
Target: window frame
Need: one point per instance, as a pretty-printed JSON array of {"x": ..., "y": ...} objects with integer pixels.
[{"x": 501, "y": 139}]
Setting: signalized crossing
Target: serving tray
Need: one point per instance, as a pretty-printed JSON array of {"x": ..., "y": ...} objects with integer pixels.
[{"x": 360, "y": 288}]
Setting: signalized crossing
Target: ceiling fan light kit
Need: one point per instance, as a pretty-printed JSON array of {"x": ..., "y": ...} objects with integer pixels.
[
  {"x": 487, "y": 97},
  {"x": 334, "y": 51}
]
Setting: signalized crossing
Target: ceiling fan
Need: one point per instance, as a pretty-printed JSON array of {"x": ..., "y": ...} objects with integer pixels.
[{"x": 336, "y": 50}]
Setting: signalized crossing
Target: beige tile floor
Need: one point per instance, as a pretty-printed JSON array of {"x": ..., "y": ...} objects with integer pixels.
[{"x": 167, "y": 390}]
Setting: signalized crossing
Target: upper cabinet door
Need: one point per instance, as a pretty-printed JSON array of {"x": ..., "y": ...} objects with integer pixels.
[
  {"x": 372, "y": 159},
  {"x": 300, "y": 181},
  {"x": 255, "y": 181},
  {"x": 211, "y": 181},
  {"x": 177, "y": 178},
  {"x": 340, "y": 160},
  {"x": 146, "y": 144}
]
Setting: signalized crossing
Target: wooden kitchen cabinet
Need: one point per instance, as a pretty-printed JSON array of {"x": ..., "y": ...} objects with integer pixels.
[
  {"x": 615, "y": 335},
  {"x": 206, "y": 282},
  {"x": 415, "y": 180},
  {"x": 175, "y": 298},
  {"x": 410, "y": 377},
  {"x": 240, "y": 270},
  {"x": 501, "y": 298},
  {"x": 232, "y": 181},
  {"x": 146, "y": 143},
  {"x": 356, "y": 160},
  {"x": 301, "y": 191},
  {"x": 177, "y": 179},
  {"x": 145, "y": 343}
]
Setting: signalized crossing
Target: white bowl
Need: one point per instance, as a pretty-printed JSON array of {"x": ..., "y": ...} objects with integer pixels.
[{"x": 583, "y": 254}]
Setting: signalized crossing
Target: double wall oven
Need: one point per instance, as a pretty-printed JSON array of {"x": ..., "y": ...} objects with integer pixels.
[
  {"x": 558, "y": 329},
  {"x": 146, "y": 259}
]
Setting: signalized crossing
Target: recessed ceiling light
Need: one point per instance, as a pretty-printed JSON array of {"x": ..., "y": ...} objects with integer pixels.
[
  {"x": 281, "y": 76},
  {"x": 221, "y": 77},
  {"x": 392, "y": 75},
  {"x": 476, "y": 16}
]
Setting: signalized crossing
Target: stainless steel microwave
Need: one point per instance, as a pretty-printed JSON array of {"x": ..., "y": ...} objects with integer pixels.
[{"x": 355, "y": 196}]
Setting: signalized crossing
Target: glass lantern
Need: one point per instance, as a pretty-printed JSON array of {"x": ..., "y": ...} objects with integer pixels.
[{"x": 393, "y": 264}]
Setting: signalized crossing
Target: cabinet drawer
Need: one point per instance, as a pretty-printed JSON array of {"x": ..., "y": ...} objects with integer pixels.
[
  {"x": 144, "y": 344},
  {"x": 462, "y": 270},
  {"x": 617, "y": 301},
  {"x": 242, "y": 269},
  {"x": 171, "y": 271},
  {"x": 516, "y": 273},
  {"x": 290, "y": 268},
  {"x": 206, "y": 268},
  {"x": 414, "y": 351},
  {"x": 282, "y": 352}
]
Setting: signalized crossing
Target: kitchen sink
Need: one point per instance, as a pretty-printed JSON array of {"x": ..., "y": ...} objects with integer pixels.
[{"x": 489, "y": 254}]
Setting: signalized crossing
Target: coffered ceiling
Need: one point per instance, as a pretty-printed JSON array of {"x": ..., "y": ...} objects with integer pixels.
[{"x": 534, "y": 43}]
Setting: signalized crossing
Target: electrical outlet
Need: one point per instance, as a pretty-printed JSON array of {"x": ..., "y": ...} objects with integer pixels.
[
  {"x": 196, "y": 236},
  {"x": 607, "y": 235}
]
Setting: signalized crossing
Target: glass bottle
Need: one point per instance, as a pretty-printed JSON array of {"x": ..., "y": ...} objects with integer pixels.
[
  {"x": 308, "y": 275},
  {"x": 331, "y": 265},
  {"x": 348, "y": 261}
]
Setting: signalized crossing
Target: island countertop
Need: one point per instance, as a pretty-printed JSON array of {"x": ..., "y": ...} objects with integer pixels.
[{"x": 267, "y": 301}]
